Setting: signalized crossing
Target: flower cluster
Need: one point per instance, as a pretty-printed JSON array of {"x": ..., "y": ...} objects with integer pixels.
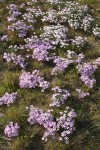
[
  {"x": 18, "y": 60},
  {"x": 72, "y": 13},
  {"x": 59, "y": 97},
  {"x": 56, "y": 34},
  {"x": 31, "y": 2},
  {"x": 36, "y": 11},
  {"x": 46, "y": 119},
  {"x": 65, "y": 123},
  {"x": 32, "y": 14},
  {"x": 22, "y": 5},
  {"x": 29, "y": 17},
  {"x": 97, "y": 62},
  {"x": 96, "y": 31},
  {"x": 31, "y": 42},
  {"x": 16, "y": 47},
  {"x": 20, "y": 27},
  {"x": 61, "y": 64},
  {"x": 4, "y": 38},
  {"x": 50, "y": 16},
  {"x": 13, "y": 11},
  {"x": 80, "y": 58},
  {"x": 41, "y": 50},
  {"x": 7, "y": 99},
  {"x": 87, "y": 23},
  {"x": 82, "y": 94},
  {"x": 78, "y": 41},
  {"x": 86, "y": 70},
  {"x": 12, "y": 129},
  {"x": 54, "y": 1},
  {"x": 28, "y": 80}
]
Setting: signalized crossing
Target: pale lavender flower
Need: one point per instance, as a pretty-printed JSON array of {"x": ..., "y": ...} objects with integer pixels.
[
  {"x": 12, "y": 129},
  {"x": 46, "y": 119},
  {"x": 63, "y": 124},
  {"x": 4, "y": 38},
  {"x": 97, "y": 62},
  {"x": 19, "y": 26},
  {"x": 87, "y": 22},
  {"x": 66, "y": 123},
  {"x": 41, "y": 50},
  {"x": 56, "y": 34},
  {"x": 80, "y": 58},
  {"x": 32, "y": 80},
  {"x": 7, "y": 99},
  {"x": 61, "y": 64},
  {"x": 96, "y": 31},
  {"x": 82, "y": 94},
  {"x": 86, "y": 70},
  {"x": 13, "y": 11},
  {"x": 18, "y": 60},
  {"x": 59, "y": 97},
  {"x": 78, "y": 41}
]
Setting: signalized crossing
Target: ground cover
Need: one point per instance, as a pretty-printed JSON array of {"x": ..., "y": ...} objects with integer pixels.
[{"x": 49, "y": 75}]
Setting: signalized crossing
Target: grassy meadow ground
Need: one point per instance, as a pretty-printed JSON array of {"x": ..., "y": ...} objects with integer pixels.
[{"x": 87, "y": 122}]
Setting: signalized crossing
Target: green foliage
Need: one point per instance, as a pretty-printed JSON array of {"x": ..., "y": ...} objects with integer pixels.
[
  {"x": 10, "y": 81},
  {"x": 20, "y": 143}
]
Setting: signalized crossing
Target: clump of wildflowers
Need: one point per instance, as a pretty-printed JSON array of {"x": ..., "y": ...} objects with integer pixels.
[
  {"x": 12, "y": 129},
  {"x": 97, "y": 62},
  {"x": 7, "y": 99},
  {"x": 32, "y": 14},
  {"x": 50, "y": 16},
  {"x": 82, "y": 94},
  {"x": 96, "y": 31},
  {"x": 86, "y": 70},
  {"x": 65, "y": 123},
  {"x": 4, "y": 38},
  {"x": 61, "y": 64},
  {"x": 28, "y": 80},
  {"x": 72, "y": 13},
  {"x": 46, "y": 119},
  {"x": 20, "y": 27},
  {"x": 56, "y": 34},
  {"x": 18, "y": 60},
  {"x": 54, "y": 1},
  {"x": 59, "y": 97},
  {"x": 80, "y": 58},
  {"x": 41, "y": 50},
  {"x": 13, "y": 11},
  {"x": 78, "y": 41},
  {"x": 87, "y": 22}
]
